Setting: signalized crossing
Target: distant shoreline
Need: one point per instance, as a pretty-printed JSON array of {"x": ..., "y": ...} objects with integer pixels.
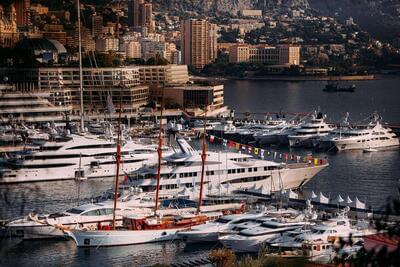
[{"x": 292, "y": 78}]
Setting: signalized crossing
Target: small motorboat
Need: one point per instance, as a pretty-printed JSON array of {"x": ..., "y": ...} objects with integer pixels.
[{"x": 369, "y": 150}]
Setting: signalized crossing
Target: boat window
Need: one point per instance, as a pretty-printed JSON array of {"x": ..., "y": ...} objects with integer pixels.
[
  {"x": 222, "y": 220},
  {"x": 250, "y": 169},
  {"x": 341, "y": 223},
  {"x": 245, "y": 180},
  {"x": 106, "y": 211},
  {"x": 92, "y": 146},
  {"x": 91, "y": 213},
  {"x": 45, "y": 166},
  {"x": 75, "y": 211}
]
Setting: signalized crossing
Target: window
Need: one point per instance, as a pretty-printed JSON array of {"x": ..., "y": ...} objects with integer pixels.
[
  {"x": 75, "y": 211},
  {"x": 250, "y": 169},
  {"x": 92, "y": 213}
]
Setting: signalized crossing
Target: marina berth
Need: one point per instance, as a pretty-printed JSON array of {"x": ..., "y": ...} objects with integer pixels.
[{"x": 81, "y": 157}]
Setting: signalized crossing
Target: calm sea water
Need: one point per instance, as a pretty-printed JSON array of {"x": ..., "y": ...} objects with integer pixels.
[{"x": 373, "y": 177}]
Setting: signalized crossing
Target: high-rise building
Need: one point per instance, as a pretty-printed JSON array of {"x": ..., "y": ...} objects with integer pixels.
[
  {"x": 22, "y": 8},
  {"x": 133, "y": 49},
  {"x": 198, "y": 42},
  {"x": 97, "y": 25},
  {"x": 134, "y": 13},
  {"x": 147, "y": 17}
]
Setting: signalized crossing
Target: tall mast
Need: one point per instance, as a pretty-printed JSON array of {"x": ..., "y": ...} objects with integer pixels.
[
  {"x": 203, "y": 160},
  {"x": 159, "y": 151},
  {"x": 80, "y": 66},
  {"x": 118, "y": 160}
]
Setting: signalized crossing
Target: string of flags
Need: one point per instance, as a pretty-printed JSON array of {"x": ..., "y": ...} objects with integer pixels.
[{"x": 263, "y": 153}]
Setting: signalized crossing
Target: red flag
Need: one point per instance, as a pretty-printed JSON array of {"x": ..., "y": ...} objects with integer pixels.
[{"x": 125, "y": 178}]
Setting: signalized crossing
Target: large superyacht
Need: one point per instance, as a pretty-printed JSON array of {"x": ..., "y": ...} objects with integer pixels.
[
  {"x": 225, "y": 172},
  {"x": 81, "y": 157}
]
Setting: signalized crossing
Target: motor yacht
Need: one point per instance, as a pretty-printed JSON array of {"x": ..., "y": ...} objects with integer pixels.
[
  {"x": 310, "y": 131},
  {"x": 93, "y": 215},
  {"x": 372, "y": 136},
  {"x": 253, "y": 239},
  {"x": 224, "y": 173},
  {"x": 209, "y": 232},
  {"x": 81, "y": 157}
]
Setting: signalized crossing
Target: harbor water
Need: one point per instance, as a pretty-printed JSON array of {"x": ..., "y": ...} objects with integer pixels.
[{"x": 372, "y": 177}]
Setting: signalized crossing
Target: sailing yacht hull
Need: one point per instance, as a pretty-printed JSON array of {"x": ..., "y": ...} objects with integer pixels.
[{"x": 121, "y": 237}]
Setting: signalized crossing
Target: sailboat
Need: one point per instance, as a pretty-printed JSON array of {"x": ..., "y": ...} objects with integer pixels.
[{"x": 138, "y": 229}]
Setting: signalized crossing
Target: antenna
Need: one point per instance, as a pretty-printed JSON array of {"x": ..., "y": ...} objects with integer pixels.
[{"x": 80, "y": 66}]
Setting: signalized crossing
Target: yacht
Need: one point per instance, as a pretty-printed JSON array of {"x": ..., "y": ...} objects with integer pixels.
[
  {"x": 310, "y": 131},
  {"x": 81, "y": 157},
  {"x": 225, "y": 128},
  {"x": 253, "y": 239},
  {"x": 373, "y": 136},
  {"x": 92, "y": 215},
  {"x": 224, "y": 172},
  {"x": 210, "y": 231}
]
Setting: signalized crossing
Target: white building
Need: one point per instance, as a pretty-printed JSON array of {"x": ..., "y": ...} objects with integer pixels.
[{"x": 107, "y": 44}]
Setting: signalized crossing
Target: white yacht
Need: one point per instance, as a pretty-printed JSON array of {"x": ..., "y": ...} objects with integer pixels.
[
  {"x": 210, "y": 231},
  {"x": 254, "y": 239},
  {"x": 81, "y": 157},
  {"x": 224, "y": 128},
  {"x": 306, "y": 135},
  {"x": 224, "y": 172},
  {"x": 36, "y": 226},
  {"x": 373, "y": 136}
]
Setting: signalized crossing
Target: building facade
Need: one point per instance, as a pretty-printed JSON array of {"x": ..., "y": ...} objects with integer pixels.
[
  {"x": 99, "y": 84},
  {"x": 263, "y": 54},
  {"x": 23, "y": 11},
  {"x": 8, "y": 28},
  {"x": 196, "y": 96},
  {"x": 198, "y": 42}
]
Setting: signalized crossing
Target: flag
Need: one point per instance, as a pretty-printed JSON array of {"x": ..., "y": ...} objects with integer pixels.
[
  {"x": 212, "y": 138},
  {"x": 275, "y": 155},
  {"x": 286, "y": 157},
  {"x": 126, "y": 177},
  {"x": 237, "y": 146},
  {"x": 231, "y": 144},
  {"x": 256, "y": 151},
  {"x": 315, "y": 161},
  {"x": 280, "y": 155},
  {"x": 298, "y": 159}
]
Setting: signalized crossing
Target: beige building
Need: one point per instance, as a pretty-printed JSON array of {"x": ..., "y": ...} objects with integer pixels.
[
  {"x": 56, "y": 32},
  {"x": 196, "y": 96},
  {"x": 39, "y": 9},
  {"x": 147, "y": 17},
  {"x": 164, "y": 75},
  {"x": 98, "y": 84},
  {"x": 8, "y": 28},
  {"x": 157, "y": 77},
  {"x": 133, "y": 50},
  {"x": 97, "y": 25},
  {"x": 198, "y": 42},
  {"x": 107, "y": 44},
  {"x": 279, "y": 55},
  {"x": 251, "y": 13},
  {"x": 88, "y": 44}
]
